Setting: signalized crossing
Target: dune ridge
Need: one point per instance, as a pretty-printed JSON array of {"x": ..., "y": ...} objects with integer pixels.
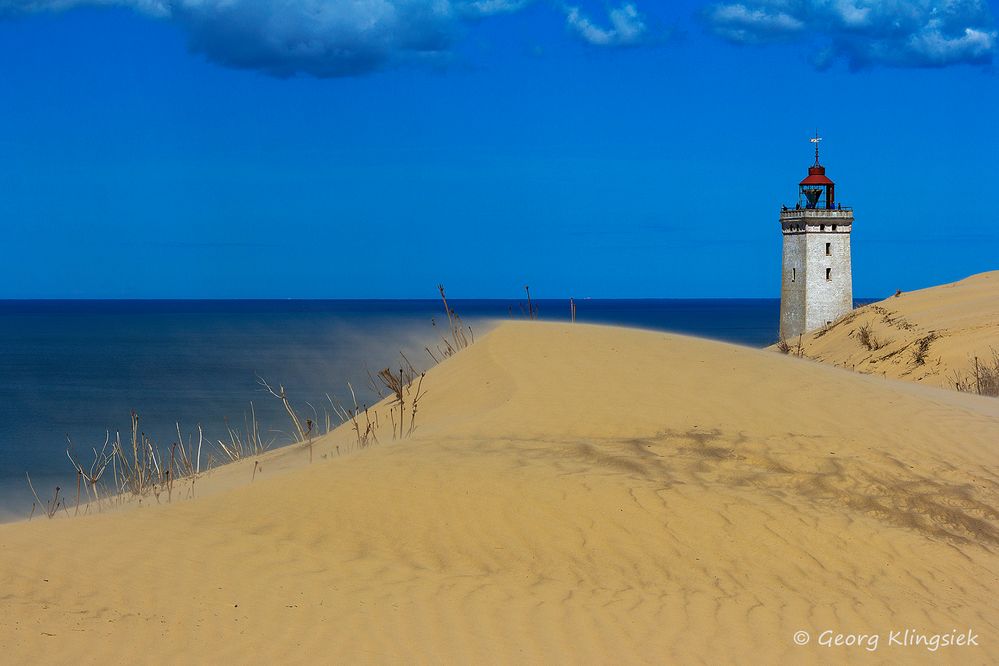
[
  {"x": 572, "y": 493},
  {"x": 930, "y": 336}
]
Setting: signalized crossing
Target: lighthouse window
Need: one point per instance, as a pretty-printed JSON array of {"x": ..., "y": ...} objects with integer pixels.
[
  {"x": 829, "y": 274},
  {"x": 822, "y": 227},
  {"x": 794, "y": 274},
  {"x": 834, "y": 227},
  {"x": 828, "y": 249}
]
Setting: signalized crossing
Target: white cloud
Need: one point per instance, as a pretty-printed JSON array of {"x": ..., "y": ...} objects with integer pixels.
[
  {"x": 902, "y": 33},
  {"x": 740, "y": 23},
  {"x": 851, "y": 14},
  {"x": 490, "y": 7},
  {"x": 936, "y": 48},
  {"x": 627, "y": 26}
]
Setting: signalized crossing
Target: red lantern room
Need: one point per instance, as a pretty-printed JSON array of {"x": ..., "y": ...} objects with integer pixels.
[{"x": 816, "y": 190}]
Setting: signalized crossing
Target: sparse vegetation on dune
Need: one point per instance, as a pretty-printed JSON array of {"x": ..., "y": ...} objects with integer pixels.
[
  {"x": 400, "y": 385},
  {"x": 49, "y": 506},
  {"x": 91, "y": 475},
  {"x": 138, "y": 468},
  {"x": 245, "y": 443},
  {"x": 941, "y": 336},
  {"x": 983, "y": 378},
  {"x": 784, "y": 347},
  {"x": 456, "y": 339},
  {"x": 868, "y": 339},
  {"x": 923, "y": 348}
]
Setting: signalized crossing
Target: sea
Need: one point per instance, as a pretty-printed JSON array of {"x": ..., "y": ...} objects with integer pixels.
[{"x": 72, "y": 372}]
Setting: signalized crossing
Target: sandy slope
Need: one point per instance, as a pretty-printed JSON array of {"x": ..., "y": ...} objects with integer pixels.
[
  {"x": 952, "y": 324},
  {"x": 574, "y": 494}
]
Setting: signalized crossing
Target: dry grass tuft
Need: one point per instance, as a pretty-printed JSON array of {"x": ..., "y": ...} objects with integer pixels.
[
  {"x": 784, "y": 347},
  {"x": 922, "y": 349},
  {"x": 983, "y": 378},
  {"x": 867, "y": 338},
  {"x": 366, "y": 431},
  {"x": 400, "y": 385},
  {"x": 245, "y": 443}
]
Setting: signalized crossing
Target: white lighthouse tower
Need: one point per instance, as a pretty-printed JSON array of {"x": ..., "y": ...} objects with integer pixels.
[{"x": 817, "y": 281}]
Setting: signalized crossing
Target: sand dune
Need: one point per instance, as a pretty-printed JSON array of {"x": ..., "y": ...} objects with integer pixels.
[
  {"x": 573, "y": 494},
  {"x": 930, "y": 336}
]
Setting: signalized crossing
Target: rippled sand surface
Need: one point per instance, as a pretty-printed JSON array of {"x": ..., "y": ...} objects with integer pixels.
[{"x": 571, "y": 494}]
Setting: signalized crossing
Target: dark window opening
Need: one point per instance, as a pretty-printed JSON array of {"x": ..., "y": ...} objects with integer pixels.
[
  {"x": 794, "y": 274},
  {"x": 829, "y": 274},
  {"x": 834, "y": 227},
  {"x": 828, "y": 249},
  {"x": 822, "y": 227}
]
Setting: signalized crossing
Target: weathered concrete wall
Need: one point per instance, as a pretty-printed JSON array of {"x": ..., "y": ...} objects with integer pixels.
[
  {"x": 817, "y": 281},
  {"x": 828, "y": 298},
  {"x": 792, "y": 293}
]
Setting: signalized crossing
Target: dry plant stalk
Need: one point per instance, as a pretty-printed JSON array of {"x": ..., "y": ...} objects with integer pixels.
[
  {"x": 308, "y": 432},
  {"x": 190, "y": 457},
  {"x": 92, "y": 475},
  {"x": 397, "y": 385},
  {"x": 400, "y": 386},
  {"x": 51, "y": 507},
  {"x": 239, "y": 445},
  {"x": 456, "y": 340},
  {"x": 532, "y": 309},
  {"x": 415, "y": 405},
  {"x": 138, "y": 472},
  {"x": 364, "y": 434},
  {"x": 280, "y": 395}
]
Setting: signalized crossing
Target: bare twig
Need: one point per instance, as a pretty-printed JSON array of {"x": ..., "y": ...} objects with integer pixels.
[{"x": 280, "y": 395}]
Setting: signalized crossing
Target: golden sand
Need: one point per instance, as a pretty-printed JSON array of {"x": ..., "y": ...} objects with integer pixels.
[
  {"x": 572, "y": 494},
  {"x": 930, "y": 336}
]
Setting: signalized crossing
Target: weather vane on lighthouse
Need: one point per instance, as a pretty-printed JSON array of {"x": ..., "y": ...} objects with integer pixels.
[{"x": 816, "y": 141}]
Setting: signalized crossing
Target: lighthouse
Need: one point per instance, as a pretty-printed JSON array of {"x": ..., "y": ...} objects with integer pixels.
[{"x": 816, "y": 277}]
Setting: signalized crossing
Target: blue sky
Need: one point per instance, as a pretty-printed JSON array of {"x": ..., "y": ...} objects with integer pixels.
[{"x": 373, "y": 148}]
